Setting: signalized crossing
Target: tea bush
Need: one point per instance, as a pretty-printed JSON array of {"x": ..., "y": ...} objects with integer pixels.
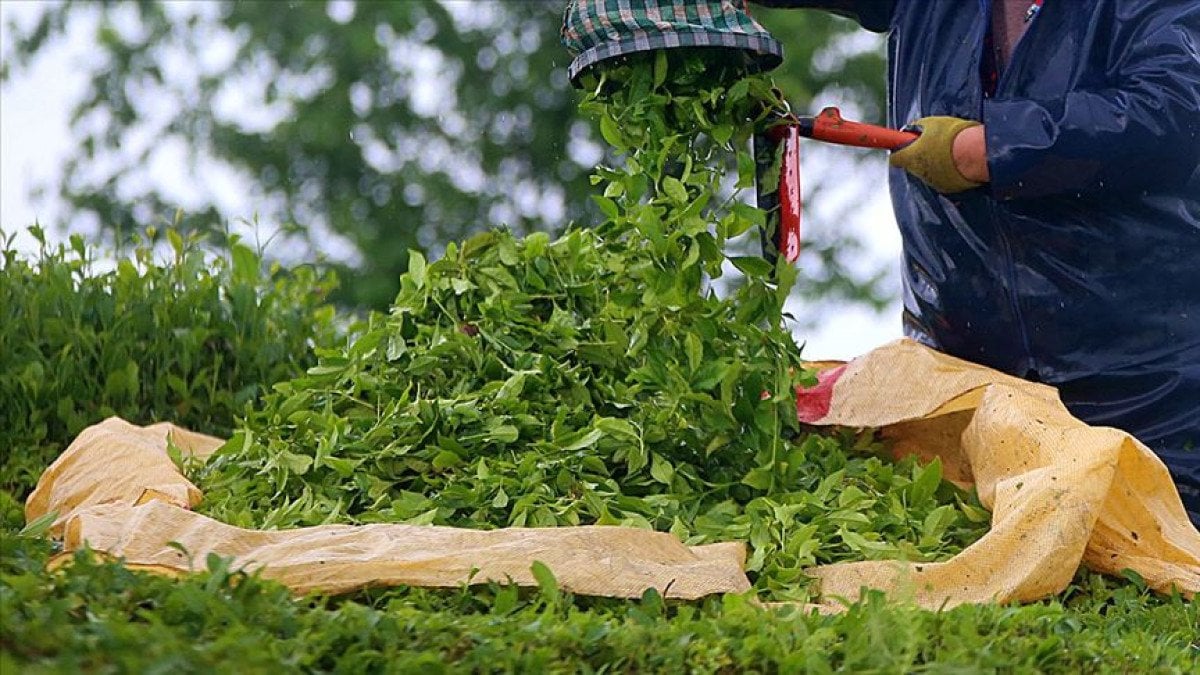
[
  {"x": 191, "y": 339},
  {"x": 102, "y": 617}
]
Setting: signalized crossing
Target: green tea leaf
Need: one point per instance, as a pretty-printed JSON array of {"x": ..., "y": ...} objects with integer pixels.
[
  {"x": 925, "y": 483},
  {"x": 416, "y": 268},
  {"x": 661, "y": 470},
  {"x": 660, "y": 68},
  {"x": 675, "y": 189},
  {"x": 612, "y": 133},
  {"x": 545, "y": 580},
  {"x": 38, "y": 527}
]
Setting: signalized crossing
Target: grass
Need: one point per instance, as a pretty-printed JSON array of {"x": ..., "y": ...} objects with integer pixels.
[{"x": 100, "y": 617}]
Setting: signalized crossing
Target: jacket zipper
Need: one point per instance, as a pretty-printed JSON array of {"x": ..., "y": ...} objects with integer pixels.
[{"x": 1031, "y": 19}]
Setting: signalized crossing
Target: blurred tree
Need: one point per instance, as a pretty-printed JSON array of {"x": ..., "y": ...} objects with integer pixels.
[{"x": 384, "y": 125}]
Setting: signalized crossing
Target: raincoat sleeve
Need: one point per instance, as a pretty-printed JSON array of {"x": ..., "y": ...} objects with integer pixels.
[
  {"x": 874, "y": 15},
  {"x": 1138, "y": 131}
]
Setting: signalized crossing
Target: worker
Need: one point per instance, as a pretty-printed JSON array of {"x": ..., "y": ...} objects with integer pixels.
[{"x": 1050, "y": 209}]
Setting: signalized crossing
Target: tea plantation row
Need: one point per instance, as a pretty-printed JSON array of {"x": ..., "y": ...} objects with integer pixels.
[{"x": 195, "y": 338}]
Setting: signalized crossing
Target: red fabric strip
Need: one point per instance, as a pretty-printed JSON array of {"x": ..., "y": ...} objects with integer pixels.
[{"x": 813, "y": 403}]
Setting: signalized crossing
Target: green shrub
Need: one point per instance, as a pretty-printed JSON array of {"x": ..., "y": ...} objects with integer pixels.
[
  {"x": 192, "y": 339},
  {"x": 102, "y": 617}
]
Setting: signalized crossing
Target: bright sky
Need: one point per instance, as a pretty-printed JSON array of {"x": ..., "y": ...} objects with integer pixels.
[
  {"x": 35, "y": 140},
  {"x": 33, "y": 121}
]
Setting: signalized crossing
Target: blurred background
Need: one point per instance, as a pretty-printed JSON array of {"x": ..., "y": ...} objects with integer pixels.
[{"x": 346, "y": 132}]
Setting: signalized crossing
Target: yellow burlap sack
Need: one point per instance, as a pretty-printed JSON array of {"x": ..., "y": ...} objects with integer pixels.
[
  {"x": 1061, "y": 492},
  {"x": 117, "y": 491}
]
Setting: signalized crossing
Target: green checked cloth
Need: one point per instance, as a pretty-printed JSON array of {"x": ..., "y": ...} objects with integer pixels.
[{"x": 595, "y": 30}]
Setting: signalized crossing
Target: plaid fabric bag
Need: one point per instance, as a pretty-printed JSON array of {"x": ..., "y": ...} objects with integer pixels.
[{"x": 596, "y": 30}]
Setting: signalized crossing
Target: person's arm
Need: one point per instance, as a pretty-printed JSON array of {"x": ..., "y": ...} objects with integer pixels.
[
  {"x": 874, "y": 15},
  {"x": 1140, "y": 132}
]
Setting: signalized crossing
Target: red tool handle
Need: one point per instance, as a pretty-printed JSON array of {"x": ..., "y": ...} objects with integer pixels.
[
  {"x": 829, "y": 126},
  {"x": 781, "y": 234},
  {"x": 790, "y": 198}
]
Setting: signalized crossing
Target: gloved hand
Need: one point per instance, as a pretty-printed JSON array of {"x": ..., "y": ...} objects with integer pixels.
[{"x": 931, "y": 156}]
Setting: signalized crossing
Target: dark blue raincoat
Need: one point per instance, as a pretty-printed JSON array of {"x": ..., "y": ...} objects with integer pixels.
[{"x": 1079, "y": 264}]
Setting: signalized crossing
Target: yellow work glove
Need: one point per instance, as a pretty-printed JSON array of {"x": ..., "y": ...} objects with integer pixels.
[{"x": 931, "y": 156}]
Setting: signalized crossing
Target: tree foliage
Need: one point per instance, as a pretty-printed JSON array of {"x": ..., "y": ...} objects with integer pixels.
[{"x": 372, "y": 128}]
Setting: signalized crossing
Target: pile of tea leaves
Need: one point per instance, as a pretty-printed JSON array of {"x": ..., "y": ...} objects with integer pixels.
[{"x": 596, "y": 378}]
